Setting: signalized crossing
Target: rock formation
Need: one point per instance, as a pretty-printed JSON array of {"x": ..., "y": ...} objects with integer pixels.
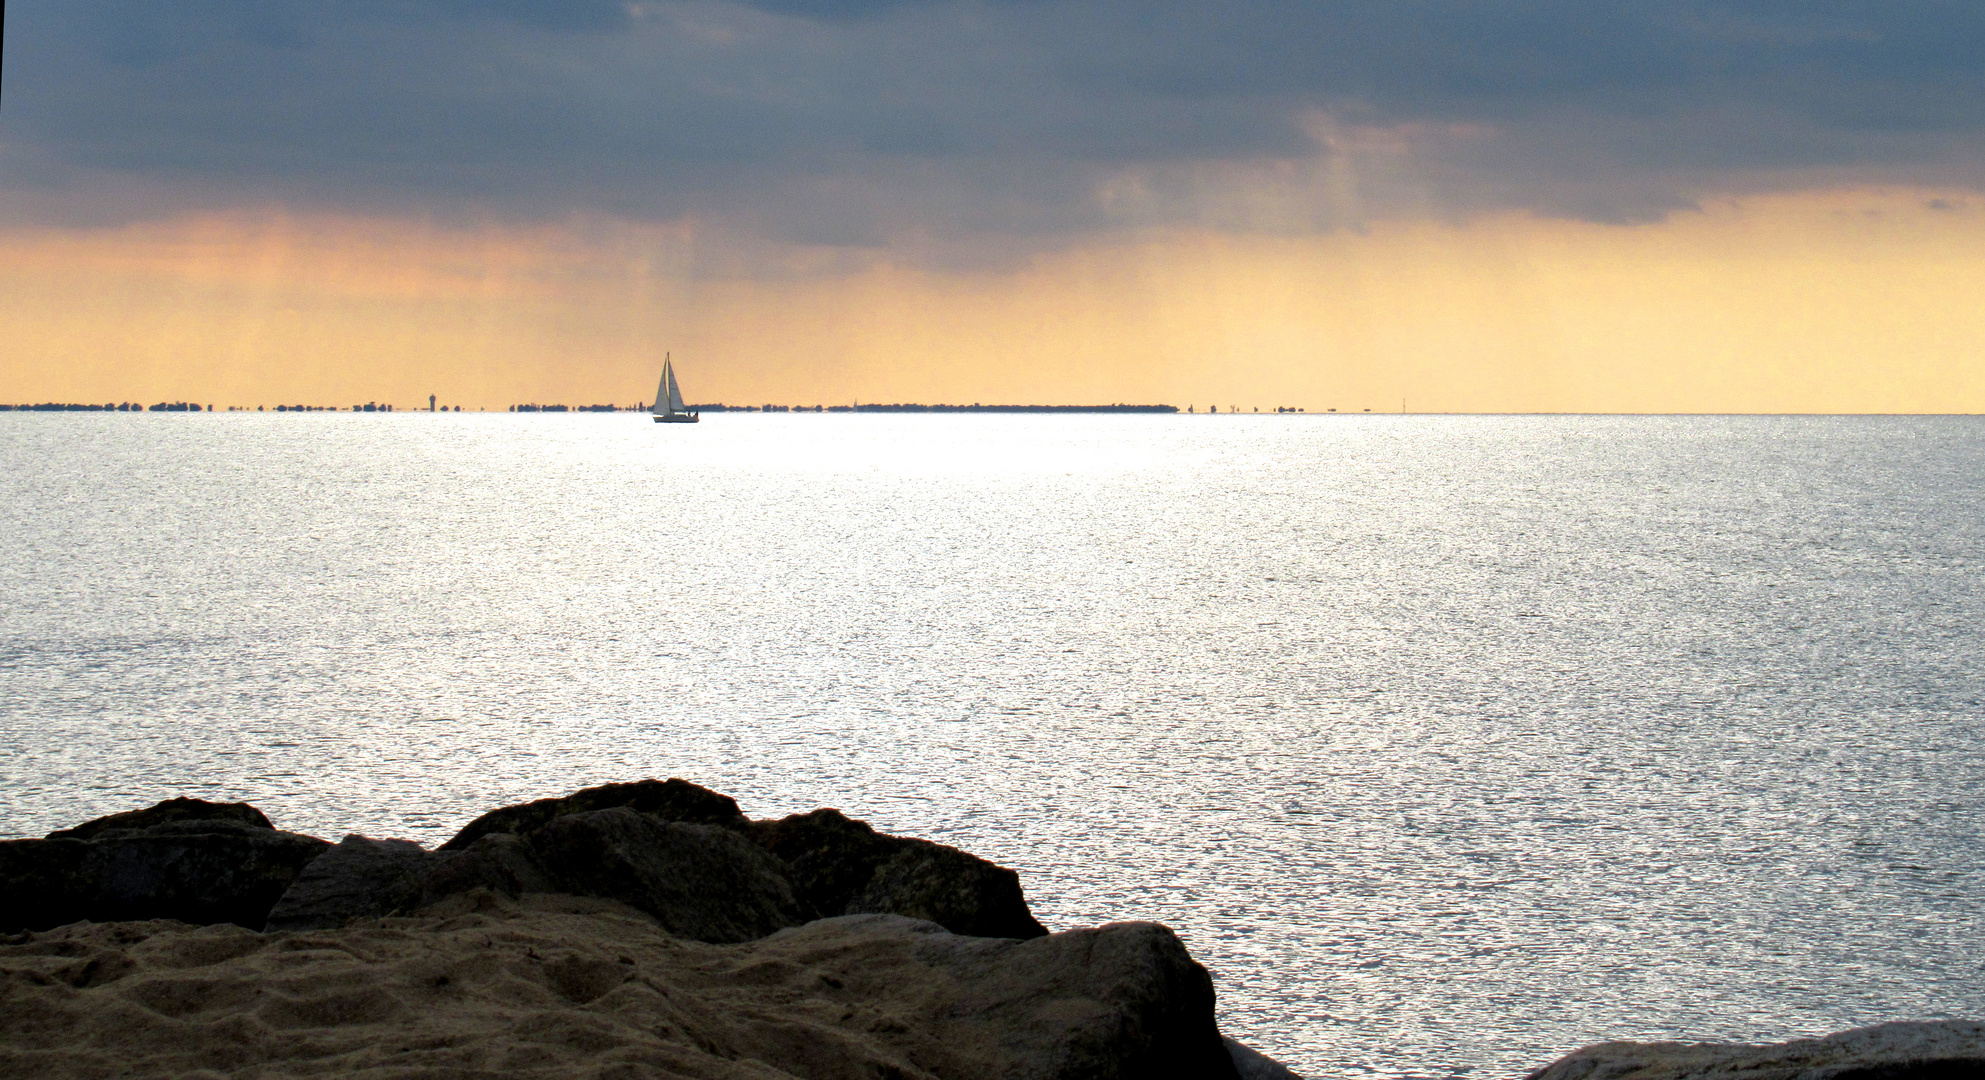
[
  {"x": 170, "y": 810},
  {"x": 555, "y": 986},
  {"x": 183, "y": 859},
  {"x": 1950, "y": 1050},
  {"x": 679, "y": 852},
  {"x": 834, "y": 865},
  {"x": 840, "y": 866},
  {"x": 666, "y": 800},
  {"x": 645, "y": 929},
  {"x": 704, "y": 882},
  {"x": 631, "y": 929}
]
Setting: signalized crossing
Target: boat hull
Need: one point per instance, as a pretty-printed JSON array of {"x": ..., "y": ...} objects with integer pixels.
[{"x": 678, "y": 418}]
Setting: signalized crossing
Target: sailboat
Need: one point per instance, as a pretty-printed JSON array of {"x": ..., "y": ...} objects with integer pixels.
[{"x": 669, "y": 408}]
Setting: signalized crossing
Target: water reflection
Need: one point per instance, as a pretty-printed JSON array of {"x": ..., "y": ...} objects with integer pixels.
[{"x": 1448, "y": 743}]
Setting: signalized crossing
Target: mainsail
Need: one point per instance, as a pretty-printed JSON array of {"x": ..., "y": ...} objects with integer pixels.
[
  {"x": 675, "y": 392},
  {"x": 668, "y": 396},
  {"x": 669, "y": 408}
]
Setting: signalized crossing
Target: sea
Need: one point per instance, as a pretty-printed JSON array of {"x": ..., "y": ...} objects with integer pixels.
[{"x": 1448, "y": 744}]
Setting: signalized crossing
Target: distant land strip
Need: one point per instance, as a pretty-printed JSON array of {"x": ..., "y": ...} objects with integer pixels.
[
  {"x": 122, "y": 406},
  {"x": 899, "y": 407},
  {"x": 911, "y": 407}
]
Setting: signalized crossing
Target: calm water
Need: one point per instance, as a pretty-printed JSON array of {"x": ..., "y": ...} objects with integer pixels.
[{"x": 1448, "y": 744}]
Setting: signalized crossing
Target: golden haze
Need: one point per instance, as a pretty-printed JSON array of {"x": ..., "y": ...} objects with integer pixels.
[{"x": 1844, "y": 301}]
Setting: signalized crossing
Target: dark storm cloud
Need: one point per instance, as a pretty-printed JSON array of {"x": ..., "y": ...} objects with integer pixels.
[{"x": 838, "y": 120}]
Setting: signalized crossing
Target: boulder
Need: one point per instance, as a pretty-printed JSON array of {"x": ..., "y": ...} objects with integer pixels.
[
  {"x": 1941, "y": 1050},
  {"x": 842, "y": 866},
  {"x": 551, "y": 987},
  {"x": 499, "y": 862},
  {"x": 667, "y": 800},
  {"x": 962, "y": 893},
  {"x": 363, "y": 878},
  {"x": 1114, "y": 1002},
  {"x": 170, "y": 810},
  {"x": 46, "y": 883},
  {"x": 834, "y": 865},
  {"x": 829, "y": 855},
  {"x": 194, "y": 869},
  {"x": 703, "y": 882},
  {"x": 360, "y": 878}
]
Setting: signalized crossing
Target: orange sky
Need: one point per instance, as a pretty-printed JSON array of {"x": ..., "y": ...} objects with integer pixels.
[{"x": 1841, "y": 301}]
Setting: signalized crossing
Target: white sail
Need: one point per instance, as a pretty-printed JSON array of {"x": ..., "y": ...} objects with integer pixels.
[
  {"x": 675, "y": 392},
  {"x": 669, "y": 408}
]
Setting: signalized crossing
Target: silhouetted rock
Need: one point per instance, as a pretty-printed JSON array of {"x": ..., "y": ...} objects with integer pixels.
[
  {"x": 499, "y": 862},
  {"x": 1113, "y": 1002},
  {"x": 962, "y": 893},
  {"x": 833, "y": 864},
  {"x": 168, "y": 811},
  {"x": 1252, "y": 1064},
  {"x": 703, "y": 882},
  {"x": 45, "y": 883},
  {"x": 841, "y": 866},
  {"x": 706, "y": 930},
  {"x": 667, "y": 800},
  {"x": 831, "y": 857},
  {"x": 1946, "y": 1050},
  {"x": 363, "y": 878},
  {"x": 567, "y": 987},
  {"x": 360, "y": 878},
  {"x": 197, "y": 870}
]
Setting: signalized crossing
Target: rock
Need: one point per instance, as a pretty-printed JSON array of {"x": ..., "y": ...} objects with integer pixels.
[
  {"x": 842, "y": 866},
  {"x": 1943, "y": 1050},
  {"x": 196, "y": 870},
  {"x": 830, "y": 856},
  {"x": 668, "y": 800},
  {"x": 363, "y": 878},
  {"x": 834, "y": 865},
  {"x": 1113, "y": 1002},
  {"x": 170, "y": 810},
  {"x": 360, "y": 878},
  {"x": 703, "y": 882},
  {"x": 1252, "y": 1064},
  {"x": 45, "y": 883},
  {"x": 499, "y": 862},
  {"x": 962, "y": 893},
  {"x": 553, "y": 987}
]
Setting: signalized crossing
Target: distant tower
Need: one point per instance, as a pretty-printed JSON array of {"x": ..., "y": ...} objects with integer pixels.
[{"x": 430, "y": 403}]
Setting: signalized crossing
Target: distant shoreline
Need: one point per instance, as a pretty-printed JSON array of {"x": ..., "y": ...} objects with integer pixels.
[
  {"x": 536, "y": 408},
  {"x": 899, "y": 407}
]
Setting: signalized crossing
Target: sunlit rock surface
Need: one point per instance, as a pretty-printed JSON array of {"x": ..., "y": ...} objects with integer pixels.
[{"x": 557, "y": 986}]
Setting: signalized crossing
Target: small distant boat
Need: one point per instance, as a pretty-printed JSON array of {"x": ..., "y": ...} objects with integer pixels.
[{"x": 669, "y": 408}]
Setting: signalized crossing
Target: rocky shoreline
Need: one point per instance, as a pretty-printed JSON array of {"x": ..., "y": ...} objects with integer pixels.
[{"x": 635, "y": 930}]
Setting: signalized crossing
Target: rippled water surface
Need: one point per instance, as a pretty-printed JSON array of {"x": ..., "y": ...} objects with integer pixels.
[{"x": 1448, "y": 744}]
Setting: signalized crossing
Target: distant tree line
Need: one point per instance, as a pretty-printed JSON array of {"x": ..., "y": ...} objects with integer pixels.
[
  {"x": 181, "y": 406},
  {"x": 1009, "y": 408},
  {"x": 122, "y": 406},
  {"x": 912, "y": 407}
]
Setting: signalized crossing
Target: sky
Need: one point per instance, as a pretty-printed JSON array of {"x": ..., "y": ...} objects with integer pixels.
[{"x": 1420, "y": 205}]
